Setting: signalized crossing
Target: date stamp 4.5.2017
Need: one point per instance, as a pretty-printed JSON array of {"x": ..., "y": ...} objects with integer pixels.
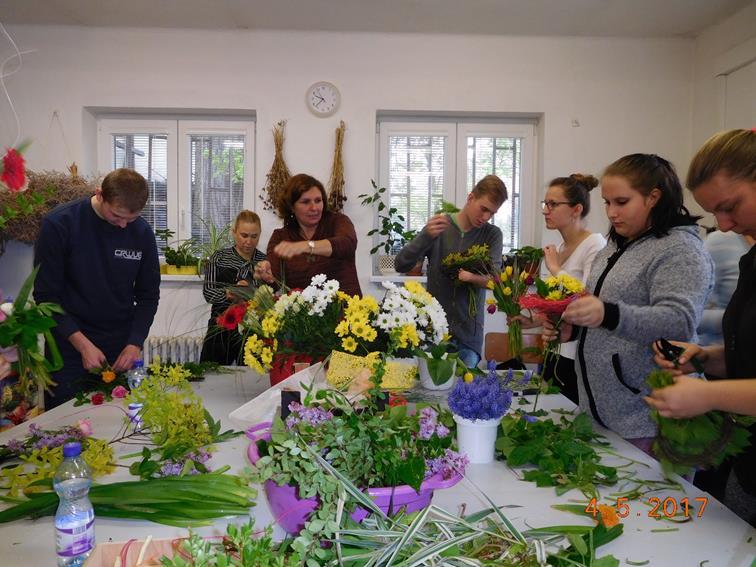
[{"x": 658, "y": 507}]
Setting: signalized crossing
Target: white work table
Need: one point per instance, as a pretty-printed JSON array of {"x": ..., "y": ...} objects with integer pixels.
[{"x": 719, "y": 537}]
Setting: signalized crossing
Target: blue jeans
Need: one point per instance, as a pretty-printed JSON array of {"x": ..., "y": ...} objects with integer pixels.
[{"x": 468, "y": 356}]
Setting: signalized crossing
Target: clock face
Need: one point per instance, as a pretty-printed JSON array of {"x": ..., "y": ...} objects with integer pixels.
[{"x": 323, "y": 99}]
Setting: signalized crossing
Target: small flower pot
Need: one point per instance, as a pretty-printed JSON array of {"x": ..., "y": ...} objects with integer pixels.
[
  {"x": 477, "y": 438},
  {"x": 426, "y": 380},
  {"x": 386, "y": 265}
]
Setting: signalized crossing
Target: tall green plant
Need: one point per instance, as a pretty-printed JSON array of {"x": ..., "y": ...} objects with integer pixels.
[{"x": 391, "y": 229}]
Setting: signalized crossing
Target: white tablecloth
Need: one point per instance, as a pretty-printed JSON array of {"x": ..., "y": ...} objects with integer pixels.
[{"x": 718, "y": 537}]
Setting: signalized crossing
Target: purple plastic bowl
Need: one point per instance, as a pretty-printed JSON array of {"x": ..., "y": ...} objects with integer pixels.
[{"x": 291, "y": 512}]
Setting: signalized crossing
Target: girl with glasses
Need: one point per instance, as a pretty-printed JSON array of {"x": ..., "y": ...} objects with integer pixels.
[{"x": 565, "y": 208}]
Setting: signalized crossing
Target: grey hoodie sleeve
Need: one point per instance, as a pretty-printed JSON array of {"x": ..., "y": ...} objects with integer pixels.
[
  {"x": 414, "y": 251},
  {"x": 677, "y": 296}
]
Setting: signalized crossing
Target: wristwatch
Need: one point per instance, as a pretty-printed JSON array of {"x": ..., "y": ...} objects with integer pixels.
[{"x": 311, "y": 244}]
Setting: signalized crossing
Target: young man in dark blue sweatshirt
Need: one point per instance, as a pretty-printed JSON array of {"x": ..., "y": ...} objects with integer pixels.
[{"x": 97, "y": 258}]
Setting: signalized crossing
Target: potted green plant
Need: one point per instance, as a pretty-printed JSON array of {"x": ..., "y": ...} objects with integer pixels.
[
  {"x": 527, "y": 258},
  {"x": 437, "y": 366},
  {"x": 179, "y": 259},
  {"x": 217, "y": 238},
  {"x": 391, "y": 230}
]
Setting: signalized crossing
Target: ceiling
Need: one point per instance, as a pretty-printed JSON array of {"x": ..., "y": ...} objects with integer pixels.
[{"x": 622, "y": 18}]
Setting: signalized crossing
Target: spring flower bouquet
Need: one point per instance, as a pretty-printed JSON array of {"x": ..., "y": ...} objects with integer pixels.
[
  {"x": 508, "y": 287},
  {"x": 475, "y": 259},
  {"x": 410, "y": 317},
  {"x": 478, "y": 404},
  {"x": 293, "y": 327},
  {"x": 21, "y": 323},
  {"x": 312, "y": 323},
  {"x": 41, "y": 451},
  {"x": 407, "y": 319},
  {"x": 552, "y": 297}
]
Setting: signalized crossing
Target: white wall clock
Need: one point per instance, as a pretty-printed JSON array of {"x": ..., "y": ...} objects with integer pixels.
[{"x": 323, "y": 99}]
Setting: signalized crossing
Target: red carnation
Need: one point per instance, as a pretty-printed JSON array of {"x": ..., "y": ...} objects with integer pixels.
[
  {"x": 97, "y": 398},
  {"x": 14, "y": 173},
  {"x": 232, "y": 316}
]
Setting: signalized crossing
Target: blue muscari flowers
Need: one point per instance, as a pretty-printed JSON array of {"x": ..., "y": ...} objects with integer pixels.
[{"x": 486, "y": 397}]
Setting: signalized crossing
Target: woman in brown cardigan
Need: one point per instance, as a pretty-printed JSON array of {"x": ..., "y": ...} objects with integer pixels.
[{"x": 313, "y": 240}]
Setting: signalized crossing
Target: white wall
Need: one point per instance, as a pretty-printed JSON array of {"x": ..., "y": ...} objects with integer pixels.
[
  {"x": 719, "y": 49},
  {"x": 627, "y": 94}
]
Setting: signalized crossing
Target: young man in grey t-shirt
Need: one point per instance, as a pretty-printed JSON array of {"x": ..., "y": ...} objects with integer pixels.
[{"x": 447, "y": 233}]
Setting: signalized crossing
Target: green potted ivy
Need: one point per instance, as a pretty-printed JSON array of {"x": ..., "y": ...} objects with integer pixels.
[{"x": 391, "y": 229}]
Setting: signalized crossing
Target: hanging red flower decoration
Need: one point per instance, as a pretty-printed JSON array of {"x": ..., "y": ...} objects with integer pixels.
[
  {"x": 14, "y": 171},
  {"x": 232, "y": 316}
]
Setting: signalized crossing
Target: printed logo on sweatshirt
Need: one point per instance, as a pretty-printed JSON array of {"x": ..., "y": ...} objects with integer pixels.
[{"x": 128, "y": 254}]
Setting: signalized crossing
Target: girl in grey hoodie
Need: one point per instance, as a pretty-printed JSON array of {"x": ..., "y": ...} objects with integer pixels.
[{"x": 651, "y": 281}]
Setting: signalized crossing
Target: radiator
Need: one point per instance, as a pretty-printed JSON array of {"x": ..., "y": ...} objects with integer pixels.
[{"x": 173, "y": 349}]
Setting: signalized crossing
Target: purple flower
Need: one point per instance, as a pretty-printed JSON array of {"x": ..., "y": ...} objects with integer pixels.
[
  {"x": 529, "y": 418},
  {"x": 428, "y": 421},
  {"x": 483, "y": 398},
  {"x": 441, "y": 430},
  {"x": 311, "y": 415},
  {"x": 491, "y": 308},
  {"x": 15, "y": 445},
  {"x": 448, "y": 464}
]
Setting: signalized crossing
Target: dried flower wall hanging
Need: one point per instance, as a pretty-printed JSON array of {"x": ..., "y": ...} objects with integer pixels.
[
  {"x": 336, "y": 195},
  {"x": 279, "y": 172}
]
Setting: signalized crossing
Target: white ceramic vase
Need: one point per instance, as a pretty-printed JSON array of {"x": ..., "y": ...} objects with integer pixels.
[
  {"x": 477, "y": 438},
  {"x": 425, "y": 378}
]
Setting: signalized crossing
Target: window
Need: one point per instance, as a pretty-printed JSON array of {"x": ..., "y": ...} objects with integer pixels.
[
  {"x": 423, "y": 163},
  {"x": 198, "y": 172}
]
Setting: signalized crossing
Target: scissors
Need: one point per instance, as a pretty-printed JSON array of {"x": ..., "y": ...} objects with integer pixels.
[{"x": 672, "y": 353}]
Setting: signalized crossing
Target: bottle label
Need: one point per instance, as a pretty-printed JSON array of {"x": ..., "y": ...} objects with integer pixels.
[{"x": 75, "y": 540}]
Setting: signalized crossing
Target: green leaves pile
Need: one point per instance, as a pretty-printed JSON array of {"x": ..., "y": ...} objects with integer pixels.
[
  {"x": 241, "y": 547},
  {"x": 702, "y": 441},
  {"x": 21, "y": 329},
  {"x": 175, "y": 501},
  {"x": 564, "y": 453}
]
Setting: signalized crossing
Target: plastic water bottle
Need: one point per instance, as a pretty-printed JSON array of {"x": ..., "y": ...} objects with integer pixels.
[
  {"x": 136, "y": 375},
  {"x": 74, "y": 520}
]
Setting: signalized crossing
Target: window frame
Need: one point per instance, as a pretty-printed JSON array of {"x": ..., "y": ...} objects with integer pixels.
[
  {"x": 188, "y": 128},
  {"x": 178, "y": 131},
  {"x": 457, "y": 130}
]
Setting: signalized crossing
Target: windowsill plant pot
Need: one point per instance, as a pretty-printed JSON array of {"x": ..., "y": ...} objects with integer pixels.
[
  {"x": 477, "y": 438},
  {"x": 386, "y": 264},
  {"x": 291, "y": 512},
  {"x": 172, "y": 270}
]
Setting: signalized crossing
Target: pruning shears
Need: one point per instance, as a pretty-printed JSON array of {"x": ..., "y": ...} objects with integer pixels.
[{"x": 672, "y": 353}]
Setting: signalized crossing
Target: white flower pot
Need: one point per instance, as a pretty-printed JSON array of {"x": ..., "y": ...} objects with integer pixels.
[
  {"x": 386, "y": 265},
  {"x": 425, "y": 378},
  {"x": 477, "y": 438}
]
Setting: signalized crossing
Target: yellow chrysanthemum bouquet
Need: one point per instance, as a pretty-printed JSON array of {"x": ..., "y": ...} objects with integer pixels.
[
  {"x": 552, "y": 297},
  {"x": 405, "y": 319},
  {"x": 308, "y": 325},
  {"x": 295, "y": 327}
]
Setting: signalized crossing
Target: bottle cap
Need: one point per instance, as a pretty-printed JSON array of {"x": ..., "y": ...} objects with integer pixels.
[
  {"x": 138, "y": 364},
  {"x": 72, "y": 449}
]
